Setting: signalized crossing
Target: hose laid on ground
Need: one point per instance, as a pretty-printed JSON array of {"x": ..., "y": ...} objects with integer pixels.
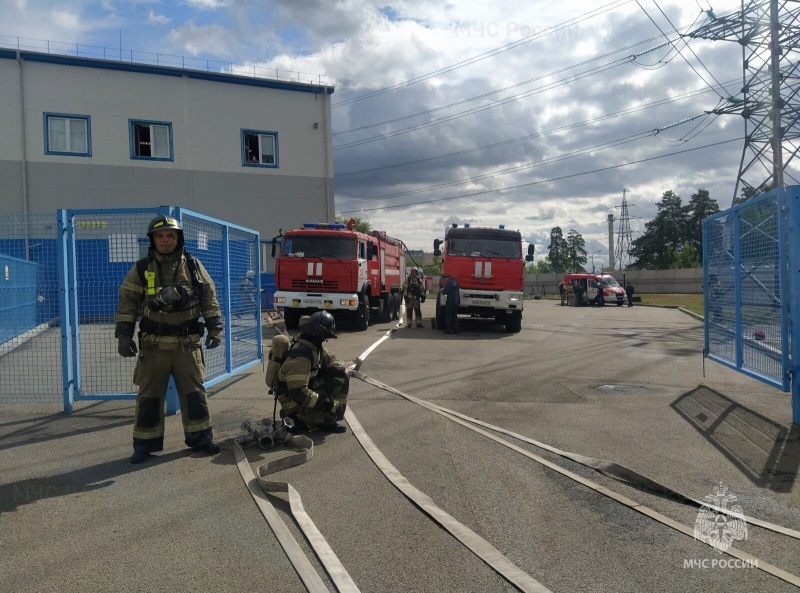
[
  {"x": 312, "y": 581},
  {"x": 475, "y": 543},
  {"x": 636, "y": 506}
]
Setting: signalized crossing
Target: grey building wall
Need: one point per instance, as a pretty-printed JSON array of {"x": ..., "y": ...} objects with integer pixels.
[{"x": 207, "y": 112}]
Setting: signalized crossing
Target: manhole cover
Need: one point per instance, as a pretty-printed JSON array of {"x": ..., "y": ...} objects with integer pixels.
[{"x": 625, "y": 388}]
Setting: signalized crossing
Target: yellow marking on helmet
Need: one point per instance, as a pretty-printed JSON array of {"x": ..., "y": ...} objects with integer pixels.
[{"x": 150, "y": 277}]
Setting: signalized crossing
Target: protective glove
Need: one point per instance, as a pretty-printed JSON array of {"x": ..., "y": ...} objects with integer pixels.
[
  {"x": 325, "y": 403},
  {"x": 339, "y": 409},
  {"x": 213, "y": 340},
  {"x": 405, "y": 300},
  {"x": 126, "y": 346}
]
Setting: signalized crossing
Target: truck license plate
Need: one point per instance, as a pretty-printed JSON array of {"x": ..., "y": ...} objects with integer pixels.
[
  {"x": 480, "y": 302},
  {"x": 313, "y": 301}
]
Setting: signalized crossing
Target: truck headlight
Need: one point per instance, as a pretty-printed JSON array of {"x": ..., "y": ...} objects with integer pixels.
[
  {"x": 347, "y": 303},
  {"x": 515, "y": 297}
]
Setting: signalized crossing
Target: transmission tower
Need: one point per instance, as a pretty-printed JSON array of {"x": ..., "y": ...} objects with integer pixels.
[
  {"x": 769, "y": 33},
  {"x": 622, "y": 255}
]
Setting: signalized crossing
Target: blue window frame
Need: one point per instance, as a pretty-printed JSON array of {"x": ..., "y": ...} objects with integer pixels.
[
  {"x": 151, "y": 140},
  {"x": 68, "y": 135},
  {"x": 259, "y": 148}
]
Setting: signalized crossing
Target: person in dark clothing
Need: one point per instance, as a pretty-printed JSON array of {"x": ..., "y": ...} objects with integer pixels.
[
  {"x": 629, "y": 292},
  {"x": 579, "y": 291},
  {"x": 451, "y": 291},
  {"x": 601, "y": 301}
]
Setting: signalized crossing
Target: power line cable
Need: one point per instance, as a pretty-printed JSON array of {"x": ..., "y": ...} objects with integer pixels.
[
  {"x": 490, "y": 53},
  {"x": 627, "y": 111},
  {"x": 494, "y": 92},
  {"x": 531, "y": 165},
  {"x": 474, "y": 110},
  {"x": 676, "y": 48},
  {"x": 508, "y": 171},
  {"x": 532, "y": 183}
]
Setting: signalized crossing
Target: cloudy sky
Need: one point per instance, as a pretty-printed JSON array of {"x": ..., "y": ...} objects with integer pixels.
[{"x": 529, "y": 114}]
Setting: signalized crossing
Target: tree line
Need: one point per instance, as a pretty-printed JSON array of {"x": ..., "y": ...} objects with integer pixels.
[{"x": 673, "y": 239}]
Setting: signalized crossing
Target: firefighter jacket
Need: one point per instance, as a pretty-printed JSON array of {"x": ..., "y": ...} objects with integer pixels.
[
  {"x": 172, "y": 316},
  {"x": 413, "y": 290},
  {"x": 304, "y": 375}
]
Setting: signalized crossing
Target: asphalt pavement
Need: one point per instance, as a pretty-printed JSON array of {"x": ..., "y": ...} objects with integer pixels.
[{"x": 628, "y": 385}]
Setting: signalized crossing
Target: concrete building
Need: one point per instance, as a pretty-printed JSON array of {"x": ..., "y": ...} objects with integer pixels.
[{"x": 81, "y": 133}]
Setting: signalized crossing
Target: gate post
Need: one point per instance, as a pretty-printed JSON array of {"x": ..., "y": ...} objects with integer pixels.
[
  {"x": 64, "y": 302},
  {"x": 793, "y": 294}
]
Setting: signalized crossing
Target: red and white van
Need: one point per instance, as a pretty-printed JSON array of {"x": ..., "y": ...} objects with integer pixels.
[{"x": 593, "y": 283}]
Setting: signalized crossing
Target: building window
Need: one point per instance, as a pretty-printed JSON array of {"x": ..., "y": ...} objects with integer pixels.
[
  {"x": 67, "y": 134},
  {"x": 259, "y": 149},
  {"x": 151, "y": 140}
]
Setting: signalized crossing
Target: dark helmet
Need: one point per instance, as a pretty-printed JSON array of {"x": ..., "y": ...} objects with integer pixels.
[
  {"x": 162, "y": 222},
  {"x": 320, "y": 325}
]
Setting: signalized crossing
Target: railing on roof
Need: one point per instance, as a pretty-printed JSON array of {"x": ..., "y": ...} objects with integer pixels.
[{"x": 118, "y": 54}]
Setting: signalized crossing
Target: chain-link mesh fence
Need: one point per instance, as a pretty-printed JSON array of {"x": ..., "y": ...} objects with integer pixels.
[
  {"x": 745, "y": 296},
  {"x": 59, "y": 292},
  {"x": 30, "y": 335}
]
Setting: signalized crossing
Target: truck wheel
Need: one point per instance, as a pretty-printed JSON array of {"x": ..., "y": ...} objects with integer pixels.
[
  {"x": 619, "y": 303},
  {"x": 395, "y": 306},
  {"x": 513, "y": 322},
  {"x": 291, "y": 317},
  {"x": 385, "y": 309},
  {"x": 362, "y": 314}
]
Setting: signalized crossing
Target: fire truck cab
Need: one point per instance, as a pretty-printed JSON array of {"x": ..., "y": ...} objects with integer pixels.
[
  {"x": 488, "y": 264},
  {"x": 331, "y": 267}
]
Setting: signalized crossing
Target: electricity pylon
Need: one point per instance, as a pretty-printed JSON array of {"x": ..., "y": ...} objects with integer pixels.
[
  {"x": 769, "y": 34},
  {"x": 622, "y": 250}
]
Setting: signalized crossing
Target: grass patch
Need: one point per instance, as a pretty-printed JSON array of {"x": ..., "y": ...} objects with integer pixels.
[{"x": 690, "y": 302}]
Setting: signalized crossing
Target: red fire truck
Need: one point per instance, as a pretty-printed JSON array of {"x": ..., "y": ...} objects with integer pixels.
[
  {"x": 332, "y": 267},
  {"x": 489, "y": 267}
]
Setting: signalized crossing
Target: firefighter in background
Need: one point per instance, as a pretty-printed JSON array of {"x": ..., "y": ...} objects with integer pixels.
[
  {"x": 172, "y": 290},
  {"x": 414, "y": 296},
  {"x": 313, "y": 384},
  {"x": 562, "y": 290}
]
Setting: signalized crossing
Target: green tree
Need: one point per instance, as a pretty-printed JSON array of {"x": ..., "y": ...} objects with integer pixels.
[
  {"x": 362, "y": 226},
  {"x": 540, "y": 267},
  {"x": 665, "y": 235},
  {"x": 557, "y": 251},
  {"x": 701, "y": 206},
  {"x": 576, "y": 249}
]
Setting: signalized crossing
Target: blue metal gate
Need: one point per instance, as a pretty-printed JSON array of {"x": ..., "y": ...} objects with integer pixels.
[
  {"x": 751, "y": 264},
  {"x": 59, "y": 277}
]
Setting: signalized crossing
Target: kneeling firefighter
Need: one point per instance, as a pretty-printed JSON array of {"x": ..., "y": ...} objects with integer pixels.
[{"x": 312, "y": 384}]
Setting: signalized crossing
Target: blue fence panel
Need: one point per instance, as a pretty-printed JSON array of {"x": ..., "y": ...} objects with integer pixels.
[
  {"x": 746, "y": 296},
  {"x": 30, "y": 353},
  {"x": 18, "y": 292},
  {"x": 102, "y": 246}
]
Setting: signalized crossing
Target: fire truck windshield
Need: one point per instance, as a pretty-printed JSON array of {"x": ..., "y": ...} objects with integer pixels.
[
  {"x": 319, "y": 246},
  {"x": 484, "y": 247}
]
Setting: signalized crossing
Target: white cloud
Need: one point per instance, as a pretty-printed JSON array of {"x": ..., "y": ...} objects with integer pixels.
[{"x": 157, "y": 19}]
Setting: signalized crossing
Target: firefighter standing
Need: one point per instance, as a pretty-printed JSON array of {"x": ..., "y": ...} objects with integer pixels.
[
  {"x": 313, "y": 384},
  {"x": 413, "y": 295},
  {"x": 562, "y": 290},
  {"x": 172, "y": 289}
]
